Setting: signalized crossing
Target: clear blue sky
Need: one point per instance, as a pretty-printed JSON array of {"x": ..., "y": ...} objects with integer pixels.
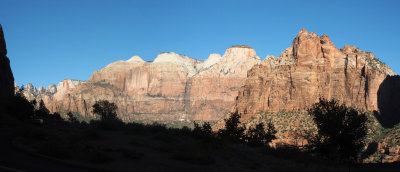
[{"x": 49, "y": 40}]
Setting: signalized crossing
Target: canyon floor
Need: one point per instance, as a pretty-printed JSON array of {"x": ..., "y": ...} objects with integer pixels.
[{"x": 69, "y": 146}]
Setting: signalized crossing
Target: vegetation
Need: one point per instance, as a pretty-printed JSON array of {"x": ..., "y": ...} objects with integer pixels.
[
  {"x": 23, "y": 109},
  {"x": 106, "y": 110},
  {"x": 103, "y": 84},
  {"x": 341, "y": 130},
  {"x": 257, "y": 136},
  {"x": 155, "y": 95},
  {"x": 20, "y": 107},
  {"x": 72, "y": 118},
  {"x": 286, "y": 123},
  {"x": 233, "y": 128},
  {"x": 202, "y": 131},
  {"x": 108, "y": 140}
]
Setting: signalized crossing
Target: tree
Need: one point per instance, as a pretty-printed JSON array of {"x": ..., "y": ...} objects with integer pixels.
[
  {"x": 19, "y": 106},
  {"x": 341, "y": 130},
  {"x": 232, "y": 128},
  {"x": 257, "y": 136},
  {"x": 202, "y": 131},
  {"x": 270, "y": 132},
  {"x": 105, "y": 109},
  {"x": 42, "y": 111}
]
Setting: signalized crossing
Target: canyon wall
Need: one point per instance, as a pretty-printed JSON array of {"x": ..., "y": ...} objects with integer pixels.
[
  {"x": 171, "y": 88},
  {"x": 312, "y": 68},
  {"x": 175, "y": 87}
]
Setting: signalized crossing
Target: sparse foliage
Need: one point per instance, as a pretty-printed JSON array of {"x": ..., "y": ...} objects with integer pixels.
[{"x": 341, "y": 130}]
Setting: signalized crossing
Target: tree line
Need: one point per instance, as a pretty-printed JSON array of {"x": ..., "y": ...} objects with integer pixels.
[{"x": 340, "y": 135}]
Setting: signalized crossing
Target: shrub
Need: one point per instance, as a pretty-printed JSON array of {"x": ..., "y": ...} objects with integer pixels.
[{"x": 341, "y": 130}]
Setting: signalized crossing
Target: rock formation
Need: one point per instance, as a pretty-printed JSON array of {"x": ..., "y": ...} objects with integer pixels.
[
  {"x": 176, "y": 87},
  {"x": 6, "y": 76},
  {"x": 213, "y": 89},
  {"x": 312, "y": 68},
  {"x": 173, "y": 87}
]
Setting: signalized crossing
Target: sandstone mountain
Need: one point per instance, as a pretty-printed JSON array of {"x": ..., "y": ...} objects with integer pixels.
[
  {"x": 6, "y": 75},
  {"x": 171, "y": 88},
  {"x": 178, "y": 88},
  {"x": 312, "y": 68}
]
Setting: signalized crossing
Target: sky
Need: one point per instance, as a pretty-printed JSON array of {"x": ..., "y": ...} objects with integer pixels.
[{"x": 49, "y": 41}]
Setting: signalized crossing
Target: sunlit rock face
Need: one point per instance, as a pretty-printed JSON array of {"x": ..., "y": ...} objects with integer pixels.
[
  {"x": 312, "y": 68},
  {"x": 6, "y": 75},
  {"x": 173, "y": 87},
  {"x": 212, "y": 90}
]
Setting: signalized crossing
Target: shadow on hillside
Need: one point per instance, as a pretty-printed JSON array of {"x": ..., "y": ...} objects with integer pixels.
[{"x": 389, "y": 102}]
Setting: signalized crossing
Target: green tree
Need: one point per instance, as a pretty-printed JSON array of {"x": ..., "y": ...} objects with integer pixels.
[
  {"x": 341, "y": 130},
  {"x": 105, "y": 109}
]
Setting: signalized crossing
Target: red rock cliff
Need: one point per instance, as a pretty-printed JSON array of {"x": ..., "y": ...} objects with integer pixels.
[
  {"x": 312, "y": 68},
  {"x": 172, "y": 87}
]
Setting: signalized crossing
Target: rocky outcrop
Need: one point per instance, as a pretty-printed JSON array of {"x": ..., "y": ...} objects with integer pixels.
[
  {"x": 6, "y": 76},
  {"x": 213, "y": 89},
  {"x": 312, "y": 68},
  {"x": 51, "y": 95},
  {"x": 173, "y": 87}
]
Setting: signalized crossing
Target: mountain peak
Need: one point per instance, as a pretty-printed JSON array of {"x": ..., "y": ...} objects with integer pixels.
[
  {"x": 240, "y": 52},
  {"x": 135, "y": 58},
  {"x": 172, "y": 57}
]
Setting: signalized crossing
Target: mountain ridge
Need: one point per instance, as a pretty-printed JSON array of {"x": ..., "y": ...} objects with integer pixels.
[{"x": 188, "y": 89}]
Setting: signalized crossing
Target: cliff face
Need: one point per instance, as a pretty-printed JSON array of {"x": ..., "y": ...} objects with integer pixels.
[
  {"x": 213, "y": 89},
  {"x": 176, "y": 87},
  {"x": 173, "y": 87},
  {"x": 312, "y": 68},
  {"x": 6, "y": 76}
]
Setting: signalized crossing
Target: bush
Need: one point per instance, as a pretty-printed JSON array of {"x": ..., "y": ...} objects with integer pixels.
[
  {"x": 341, "y": 130},
  {"x": 232, "y": 129}
]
